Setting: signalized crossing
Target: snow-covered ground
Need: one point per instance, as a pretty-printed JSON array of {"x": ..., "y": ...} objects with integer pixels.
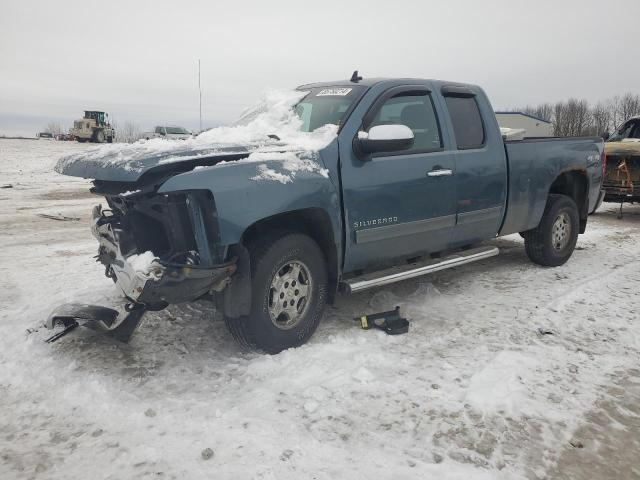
[{"x": 473, "y": 391}]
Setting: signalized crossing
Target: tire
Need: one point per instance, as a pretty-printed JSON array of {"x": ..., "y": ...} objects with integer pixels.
[
  {"x": 552, "y": 242},
  {"x": 98, "y": 137},
  {"x": 109, "y": 139},
  {"x": 275, "y": 260}
]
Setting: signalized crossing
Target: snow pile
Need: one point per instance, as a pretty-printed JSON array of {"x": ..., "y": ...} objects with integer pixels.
[
  {"x": 512, "y": 133},
  {"x": 271, "y": 126},
  {"x": 143, "y": 262},
  {"x": 500, "y": 387},
  {"x": 266, "y": 173},
  {"x": 290, "y": 161}
]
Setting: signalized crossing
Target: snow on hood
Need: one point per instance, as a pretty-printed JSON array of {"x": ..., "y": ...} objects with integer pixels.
[{"x": 249, "y": 136}]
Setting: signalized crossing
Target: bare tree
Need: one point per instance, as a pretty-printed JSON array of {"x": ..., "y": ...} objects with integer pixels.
[
  {"x": 629, "y": 106},
  {"x": 54, "y": 128},
  {"x": 601, "y": 115},
  {"x": 615, "y": 117},
  {"x": 543, "y": 111},
  {"x": 577, "y": 117},
  {"x": 129, "y": 132},
  {"x": 572, "y": 118},
  {"x": 560, "y": 122}
]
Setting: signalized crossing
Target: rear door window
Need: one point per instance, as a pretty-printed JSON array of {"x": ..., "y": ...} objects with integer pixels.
[{"x": 467, "y": 122}]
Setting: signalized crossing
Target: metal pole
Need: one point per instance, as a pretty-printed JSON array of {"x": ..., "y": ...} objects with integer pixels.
[{"x": 200, "y": 91}]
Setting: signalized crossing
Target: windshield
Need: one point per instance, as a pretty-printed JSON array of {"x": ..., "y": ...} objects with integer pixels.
[
  {"x": 315, "y": 107},
  {"x": 176, "y": 130},
  {"x": 630, "y": 129},
  {"x": 326, "y": 105}
]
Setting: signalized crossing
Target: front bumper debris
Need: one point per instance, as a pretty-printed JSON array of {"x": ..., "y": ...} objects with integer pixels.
[
  {"x": 120, "y": 322},
  {"x": 163, "y": 282}
]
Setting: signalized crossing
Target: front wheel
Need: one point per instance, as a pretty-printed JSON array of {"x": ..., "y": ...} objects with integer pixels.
[
  {"x": 289, "y": 293},
  {"x": 552, "y": 242},
  {"x": 98, "y": 137}
]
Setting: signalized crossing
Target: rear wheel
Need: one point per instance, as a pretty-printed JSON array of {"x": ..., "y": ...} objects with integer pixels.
[
  {"x": 552, "y": 242},
  {"x": 98, "y": 137},
  {"x": 289, "y": 293}
]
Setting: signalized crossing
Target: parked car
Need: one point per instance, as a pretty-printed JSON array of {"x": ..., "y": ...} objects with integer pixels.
[
  {"x": 622, "y": 172},
  {"x": 169, "y": 133},
  {"x": 65, "y": 137},
  {"x": 416, "y": 180},
  {"x": 45, "y": 135}
]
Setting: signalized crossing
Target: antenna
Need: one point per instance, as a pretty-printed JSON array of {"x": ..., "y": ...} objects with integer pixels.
[
  {"x": 200, "y": 92},
  {"x": 355, "y": 77}
]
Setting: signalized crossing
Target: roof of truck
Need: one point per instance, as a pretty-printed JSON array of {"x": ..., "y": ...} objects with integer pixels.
[
  {"x": 370, "y": 82},
  {"x": 367, "y": 82}
]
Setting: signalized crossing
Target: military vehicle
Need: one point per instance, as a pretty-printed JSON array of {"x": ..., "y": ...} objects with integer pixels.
[{"x": 93, "y": 127}]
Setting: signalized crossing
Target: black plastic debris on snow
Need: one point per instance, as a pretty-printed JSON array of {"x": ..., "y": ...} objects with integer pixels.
[
  {"x": 389, "y": 322},
  {"x": 544, "y": 331},
  {"x": 59, "y": 217}
]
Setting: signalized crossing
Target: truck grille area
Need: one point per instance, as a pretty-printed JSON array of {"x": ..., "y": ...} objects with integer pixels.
[{"x": 164, "y": 225}]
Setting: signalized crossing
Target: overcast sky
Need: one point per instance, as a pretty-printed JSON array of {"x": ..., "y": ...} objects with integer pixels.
[{"x": 138, "y": 59}]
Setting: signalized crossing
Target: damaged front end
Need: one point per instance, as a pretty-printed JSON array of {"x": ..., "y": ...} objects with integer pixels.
[{"x": 160, "y": 248}]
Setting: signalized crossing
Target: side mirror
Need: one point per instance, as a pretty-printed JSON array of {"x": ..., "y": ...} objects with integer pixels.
[
  {"x": 385, "y": 138},
  {"x": 606, "y": 135}
]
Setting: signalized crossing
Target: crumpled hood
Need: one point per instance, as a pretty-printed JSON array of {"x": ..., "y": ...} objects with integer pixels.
[
  {"x": 270, "y": 131},
  {"x": 128, "y": 163}
]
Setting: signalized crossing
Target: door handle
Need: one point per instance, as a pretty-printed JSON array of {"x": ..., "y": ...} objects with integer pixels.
[{"x": 440, "y": 172}]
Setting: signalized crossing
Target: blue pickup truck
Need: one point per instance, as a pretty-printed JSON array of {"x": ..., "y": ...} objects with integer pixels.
[{"x": 415, "y": 178}]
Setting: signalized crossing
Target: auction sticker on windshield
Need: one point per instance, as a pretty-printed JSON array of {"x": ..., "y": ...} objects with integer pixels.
[{"x": 340, "y": 92}]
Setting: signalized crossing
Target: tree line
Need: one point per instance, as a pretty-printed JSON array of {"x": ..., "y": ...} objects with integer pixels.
[{"x": 576, "y": 117}]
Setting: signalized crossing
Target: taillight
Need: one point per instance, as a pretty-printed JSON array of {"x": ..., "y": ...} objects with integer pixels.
[{"x": 603, "y": 160}]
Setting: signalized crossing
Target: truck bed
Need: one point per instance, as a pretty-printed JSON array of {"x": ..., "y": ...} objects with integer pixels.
[{"x": 534, "y": 164}]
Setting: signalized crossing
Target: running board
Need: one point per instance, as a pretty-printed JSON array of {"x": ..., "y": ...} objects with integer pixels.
[{"x": 417, "y": 269}]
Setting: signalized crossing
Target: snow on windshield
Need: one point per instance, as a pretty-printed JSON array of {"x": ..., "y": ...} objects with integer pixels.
[{"x": 272, "y": 126}]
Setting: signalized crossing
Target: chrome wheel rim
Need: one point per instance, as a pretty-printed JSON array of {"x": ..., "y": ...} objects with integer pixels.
[
  {"x": 561, "y": 232},
  {"x": 289, "y": 294}
]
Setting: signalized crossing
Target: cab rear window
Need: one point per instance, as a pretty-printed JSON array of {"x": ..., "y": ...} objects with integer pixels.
[{"x": 467, "y": 122}]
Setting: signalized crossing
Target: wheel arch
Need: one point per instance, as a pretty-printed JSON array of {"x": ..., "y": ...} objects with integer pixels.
[
  {"x": 574, "y": 184},
  {"x": 314, "y": 222}
]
